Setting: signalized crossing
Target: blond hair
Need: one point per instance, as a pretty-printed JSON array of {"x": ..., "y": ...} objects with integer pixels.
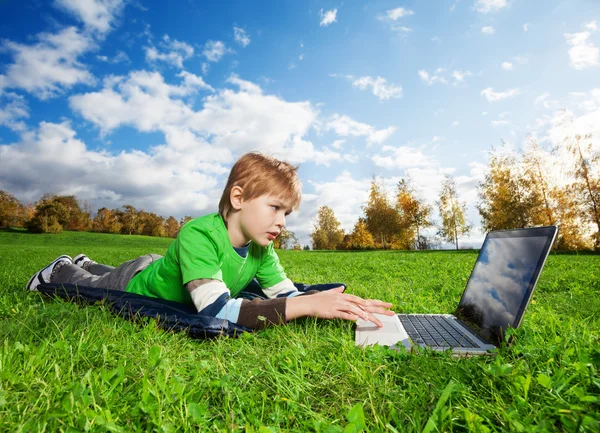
[{"x": 258, "y": 175}]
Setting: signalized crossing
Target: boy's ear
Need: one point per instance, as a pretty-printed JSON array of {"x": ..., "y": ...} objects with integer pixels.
[{"x": 235, "y": 197}]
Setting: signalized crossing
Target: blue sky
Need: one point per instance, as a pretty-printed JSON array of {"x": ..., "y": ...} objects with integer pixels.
[{"x": 149, "y": 103}]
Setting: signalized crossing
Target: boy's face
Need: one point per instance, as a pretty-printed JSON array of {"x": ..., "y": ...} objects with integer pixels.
[{"x": 262, "y": 219}]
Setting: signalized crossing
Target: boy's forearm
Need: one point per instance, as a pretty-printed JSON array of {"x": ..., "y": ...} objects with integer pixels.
[{"x": 299, "y": 306}]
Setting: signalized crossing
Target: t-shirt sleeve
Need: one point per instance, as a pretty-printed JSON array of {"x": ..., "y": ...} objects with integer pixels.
[
  {"x": 270, "y": 272},
  {"x": 198, "y": 255}
]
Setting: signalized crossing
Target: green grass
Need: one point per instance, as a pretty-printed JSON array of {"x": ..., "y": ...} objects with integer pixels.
[{"x": 68, "y": 368}]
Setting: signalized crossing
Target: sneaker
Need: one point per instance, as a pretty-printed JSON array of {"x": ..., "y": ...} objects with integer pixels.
[
  {"x": 44, "y": 275},
  {"x": 81, "y": 260}
]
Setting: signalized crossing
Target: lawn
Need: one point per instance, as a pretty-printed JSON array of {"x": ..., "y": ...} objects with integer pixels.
[{"x": 69, "y": 368}]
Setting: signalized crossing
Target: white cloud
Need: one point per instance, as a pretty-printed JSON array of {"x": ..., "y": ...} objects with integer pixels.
[
  {"x": 327, "y": 18},
  {"x": 402, "y": 29},
  {"x": 583, "y": 53},
  {"x": 431, "y": 79},
  {"x": 215, "y": 50},
  {"x": 459, "y": 76},
  {"x": 13, "y": 109},
  {"x": 507, "y": 66},
  {"x": 500, "y": 122},
  {"x": 238, "y": 121},
  {"x": 337, "y": 144},
  {"x": 175, "y": 54},
  {"x": 96, "y": 15},
  {"x": 488, "y": 30},
  {"x": 585, "y": 101},
  {"x": 379, "y": 87},
  {"x": 439, "y": 76},
  {"x": 486, "y": 6},
  {"x": 403, "y": 157},
  {"x": 50, "y": 66},
  {"x": 344, "y": 126},
  {"x": 492, "y": 96},
  {"x": 526, "y": 27},
  {"x": 118, "y": 58},
  {"x": 344, "y": 195},
  {"x": 592, "y": 25},
  {"x": 455, "y": 124},
  {"x": 567, "y": 123},
  {"x": 395, "y": 14},
  {"x": 241, "y": 37},
  {"x": 543, "y": 101},
  {"x": 142, "y": 100}
]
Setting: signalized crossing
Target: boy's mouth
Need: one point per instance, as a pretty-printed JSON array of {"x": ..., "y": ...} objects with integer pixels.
[{"x": 272, "y": 235}]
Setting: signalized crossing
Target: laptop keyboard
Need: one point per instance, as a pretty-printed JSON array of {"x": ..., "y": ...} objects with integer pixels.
[{"x": 434, "y": 331}]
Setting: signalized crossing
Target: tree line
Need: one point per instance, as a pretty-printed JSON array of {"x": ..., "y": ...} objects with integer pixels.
[
  {"x": 534, "y": 187},
  {"x": 55, "y": 213}
]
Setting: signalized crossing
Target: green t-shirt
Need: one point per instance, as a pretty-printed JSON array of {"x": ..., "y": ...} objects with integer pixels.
[{"x": 202, "y": 249}]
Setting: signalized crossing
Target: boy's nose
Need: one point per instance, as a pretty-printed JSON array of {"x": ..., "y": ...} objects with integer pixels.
[{"x": 281, "y": 221}]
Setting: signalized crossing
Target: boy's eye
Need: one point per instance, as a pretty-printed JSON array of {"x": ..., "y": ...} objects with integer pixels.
[{"x": 275, "y": 207}]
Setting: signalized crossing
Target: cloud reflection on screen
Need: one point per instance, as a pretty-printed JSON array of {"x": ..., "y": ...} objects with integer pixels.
[{"x": 499, "y": 284}]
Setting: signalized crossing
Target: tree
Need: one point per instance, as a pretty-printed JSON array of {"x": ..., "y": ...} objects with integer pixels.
[
  {"x": 587, "y": 181},
  {"x": 360, "y": 238},
  {"x": 27, "y": 213},
  {"x": 327, "y": 234},
  {"x": 150, "y": 224},
  {"x": 536, "y": 171},
  {"x": 381, "y": 218},
  {"x": 50, "y": 216},
  {"x": 553, "y": 203},
  {"x": 505, "y": 198},
  {"x": 77, "y": 218},
  {"x": 414, "y": 215},
  {"x": 452, "y": 212},
  {"x": 184, "y": 220},
  {"x": 10, "y": 210},
  {"x": 106, "y": 221},
  {"x": 285, "y": 239},
  {"x": 171, "y": 227},
  {"x": 306, "y": 247},
  {"x": 128, "y": 219}
]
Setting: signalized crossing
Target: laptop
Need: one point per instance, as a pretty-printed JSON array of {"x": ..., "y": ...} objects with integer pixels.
[{"x": 497, "y": 294}]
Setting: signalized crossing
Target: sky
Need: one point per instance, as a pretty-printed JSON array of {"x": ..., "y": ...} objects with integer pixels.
[{"x": 150, "y": 103}]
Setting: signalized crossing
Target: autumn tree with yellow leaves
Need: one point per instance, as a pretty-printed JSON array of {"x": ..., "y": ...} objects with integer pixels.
[
  {"x": 505, "y": 195},
  {"x": 360, "y": 238},
  {"x": 381, "y": 217},
  {"x": 327, "y": 234},
  {"x": 414, "y": 214},
  {"x": 553, "y": 202},
  {"x": 586, "y": 186},
  {"x": 452, "y": 211}
]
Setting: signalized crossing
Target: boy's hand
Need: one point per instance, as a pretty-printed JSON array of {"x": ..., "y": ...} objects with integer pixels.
[{"x": 334, "y": 304}]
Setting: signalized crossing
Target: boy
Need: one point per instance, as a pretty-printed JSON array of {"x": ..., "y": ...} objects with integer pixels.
[{"x": 214, "y": 257}]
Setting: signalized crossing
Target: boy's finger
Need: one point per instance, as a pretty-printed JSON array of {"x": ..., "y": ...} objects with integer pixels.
[
  {"x": 378, "y": 303},
  {"x": 374, "y": 320},
  {"x": 355, "y": 299}
]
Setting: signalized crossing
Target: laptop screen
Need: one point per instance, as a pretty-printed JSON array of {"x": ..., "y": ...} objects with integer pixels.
[{"x": 503, "y": 280}]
